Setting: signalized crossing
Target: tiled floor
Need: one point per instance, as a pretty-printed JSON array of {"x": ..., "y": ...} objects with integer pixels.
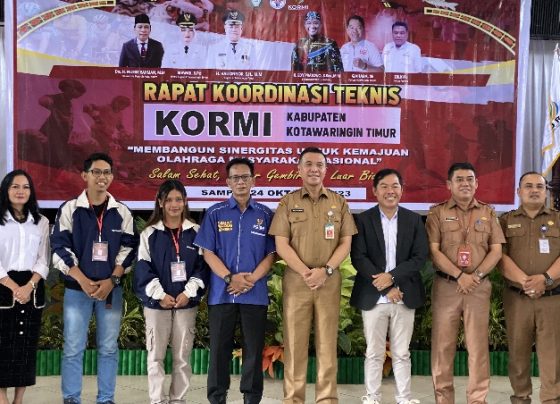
[{"x": 134, "y": 389}]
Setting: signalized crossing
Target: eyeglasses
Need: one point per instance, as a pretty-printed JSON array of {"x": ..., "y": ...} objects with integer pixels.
[
  {"x": 96, "y": 172},
  {"x": 237, "y": 178}
]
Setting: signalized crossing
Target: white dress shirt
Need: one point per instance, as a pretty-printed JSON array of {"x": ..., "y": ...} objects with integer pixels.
[
  {"x": 405, "y": 59},
  {"x": 24, "y": 246},
  {"x": 390, "y": 236}
]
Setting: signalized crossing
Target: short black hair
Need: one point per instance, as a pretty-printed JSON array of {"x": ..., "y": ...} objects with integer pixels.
[
  {"x": 311, "y": 149},
  {"x": 384, "y": 173},
  {"x": 357, "y": 18},
  {"x": 399, "y": 24},
  {"x": 459, "y": 166},
  {"x": 240, "y": 160},
  {"x": 531, "y": 173},
  {"x": 96, "y": 157}
]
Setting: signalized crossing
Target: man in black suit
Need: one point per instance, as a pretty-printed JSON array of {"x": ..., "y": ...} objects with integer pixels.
[
  {"x": 388, "y": 252},
  {"x": 141, "y": 51}
]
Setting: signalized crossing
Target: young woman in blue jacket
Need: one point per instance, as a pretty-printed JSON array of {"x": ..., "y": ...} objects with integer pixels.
[{"x": 170, "y": 278}]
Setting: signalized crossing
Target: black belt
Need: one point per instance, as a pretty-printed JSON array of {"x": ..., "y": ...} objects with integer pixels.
[
  {"x": 446, "y": 276},
  {"x": 550, "y": 292}
]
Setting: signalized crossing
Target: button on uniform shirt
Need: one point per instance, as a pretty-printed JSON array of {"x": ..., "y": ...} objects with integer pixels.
[
  {"x": 241, "y": 241},
  {"x": 302, "y": 221},
  {"x": 523, "y": 234},
  {"x": 24, "y": 246},
  {"x": 405, "y": 59},
  {"x": 445, "y": 225},
  {"x": 364, "y": 50},
  {"x": 390, "y": 227}
]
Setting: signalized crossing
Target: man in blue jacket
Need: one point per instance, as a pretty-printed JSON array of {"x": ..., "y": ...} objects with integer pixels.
[
  {"x": 238, "y": 249},
  {"x": 94, "y": 242}
]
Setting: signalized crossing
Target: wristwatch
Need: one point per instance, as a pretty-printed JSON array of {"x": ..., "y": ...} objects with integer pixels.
[
  {"x": 116, "y": 280},
  {"x": 227, "y": 279},
  {"x": 33, "y": 284},
  {"x": 548, "y": 281},
  {"x": 329, "y": 270},
  {"x": 479, "y": 273}
]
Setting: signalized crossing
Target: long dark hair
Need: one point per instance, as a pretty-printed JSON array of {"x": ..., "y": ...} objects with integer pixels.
[
  {"x": 31, "y": 207},
  {"x": 164, "y": 190}
]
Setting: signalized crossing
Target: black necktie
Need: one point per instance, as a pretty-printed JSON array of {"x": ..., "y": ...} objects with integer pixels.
[
  {"x": 186, "y": 50},
  {"x": 143, "y": 50},
  {"x": 233, "y": 45}
]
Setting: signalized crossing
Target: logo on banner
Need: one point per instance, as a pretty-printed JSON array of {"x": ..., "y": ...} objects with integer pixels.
[
  {"x": 554, "y": 114},
  {"x": 277, "y": 4},
  {"x": 298, "y": 5}
]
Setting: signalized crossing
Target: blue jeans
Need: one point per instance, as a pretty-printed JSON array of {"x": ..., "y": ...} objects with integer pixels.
[{"x": 78, "y": 309}]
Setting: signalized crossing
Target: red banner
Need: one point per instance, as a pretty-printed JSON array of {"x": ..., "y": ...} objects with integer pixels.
[{"x": 409, "y": 84}]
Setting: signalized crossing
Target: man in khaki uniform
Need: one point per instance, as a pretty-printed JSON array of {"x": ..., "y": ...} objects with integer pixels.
[
  {"x": 313, "y": 230},
  {"x": 531, "y": 266},
  {"x": 465, "y": 243}
]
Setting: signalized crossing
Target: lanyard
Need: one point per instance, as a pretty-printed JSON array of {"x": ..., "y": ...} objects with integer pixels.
[
  {"x": 176, "y": 241},
  {"x": 99, "y": 218},
  {"x": 469, "y": 223}
]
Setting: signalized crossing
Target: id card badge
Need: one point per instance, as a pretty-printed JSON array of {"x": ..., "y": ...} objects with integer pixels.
[
  {"x": 464, "y": 257},
  {"x": 329, "y": 231},
  {"x": 544, "y": 247},
  {"x": 178, "y": 271},
  {"x": 100, "y": 251}
]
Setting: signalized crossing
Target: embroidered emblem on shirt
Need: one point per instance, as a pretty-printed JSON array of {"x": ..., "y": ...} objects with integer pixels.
[
  {"x": 259, "y": 225},
  {"x": 225, "y": 225}
]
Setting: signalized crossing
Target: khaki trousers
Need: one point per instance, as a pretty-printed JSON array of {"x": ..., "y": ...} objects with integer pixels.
[
  {"x": 531, "y": 321},
  {"x": 175, "y": 328},
  {"x": 448, "y": 307},
  {"x": 303, "y": 306}
]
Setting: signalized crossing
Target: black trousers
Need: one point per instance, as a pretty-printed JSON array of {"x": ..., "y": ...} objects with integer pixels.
[{"x": 223, "y": 319}]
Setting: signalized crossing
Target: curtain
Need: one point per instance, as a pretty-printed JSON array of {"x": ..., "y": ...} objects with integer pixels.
[{"x": 536, "y": 102}]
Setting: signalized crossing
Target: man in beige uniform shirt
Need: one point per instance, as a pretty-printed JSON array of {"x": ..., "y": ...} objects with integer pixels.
[
  {"x": 313, "y": 230},
  {"x": 531, "y": 266},
  {"x": 465, "y": 243}
]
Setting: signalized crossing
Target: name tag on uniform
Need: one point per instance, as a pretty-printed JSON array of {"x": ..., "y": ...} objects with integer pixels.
[
  {"x": 544, "y": 247},
  {"x": 100, "y": 251},
  {"x": 297, "y": 210},
  {"x": 178, "y": 271},
  {"x": 514, "y": 226},
  {"x": 329, "y": 231}
]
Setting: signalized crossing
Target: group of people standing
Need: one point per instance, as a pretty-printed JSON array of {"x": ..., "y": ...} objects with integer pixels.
[
  {"x": 313, "y": 53},
  {"x": 94, "y": 244}
]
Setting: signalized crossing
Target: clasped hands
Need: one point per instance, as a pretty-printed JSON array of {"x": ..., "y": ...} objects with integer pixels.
[
  {"x": 22, "y": 294},
  {"x": 533, "y": 286},
  {"x": 170, "y": 302},
  {"x": 314, "y": 278},
  {"x": 241, "y": 282},
  {"x": 383, "y": 281},
  {"x": 98, "y": 290}
]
